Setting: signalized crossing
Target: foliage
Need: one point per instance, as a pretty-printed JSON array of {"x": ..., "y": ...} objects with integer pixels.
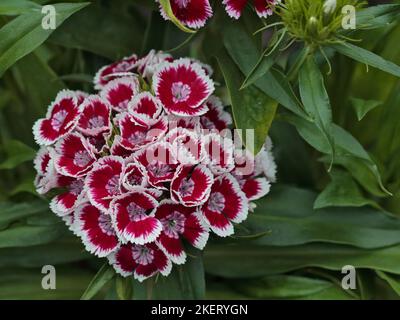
[{"x": 334, "y": 123}]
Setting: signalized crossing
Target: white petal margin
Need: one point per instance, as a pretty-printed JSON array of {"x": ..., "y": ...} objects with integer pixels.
[
  {"x": 38, "y": 137},
  {"x": 244, "y": 207},
  {"x": 89, "y": 246},
  {"x": 184, "y": 62}
]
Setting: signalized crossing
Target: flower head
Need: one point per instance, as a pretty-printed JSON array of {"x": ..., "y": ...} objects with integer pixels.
[{"x": 145, "y": 167}]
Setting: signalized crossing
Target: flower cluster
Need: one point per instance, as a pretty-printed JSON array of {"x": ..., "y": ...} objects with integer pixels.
[
  {"x": 148, "y": 164},
  {"x": 195, "y": 13}
]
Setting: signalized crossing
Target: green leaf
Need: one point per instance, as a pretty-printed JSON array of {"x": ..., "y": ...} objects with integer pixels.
[
  {"x": 342, "y": 191},
  {"x": 362, "y": 107},
  {"x": 243, "y": 50},
  {"x": 377, "y": 16},
  {"x": 251, "y": 108},
  {"x": 392, "y": 280},
  {"x": 103, "y": 31},
  {"x": 25, "y": 33},
  {"x": 263, "y": 65},
  {"x": 367, "y": 57},
  {"x": 16, "y": 153},
  {"x": 348, "y": 153},
  {"x": 244, "y": 261},
  {"x": 59, "y": 252},
  {"x": 34, "y": 71},
  {"x": 124, "y": 287},
  {"x": 16, "y": 7},
  {"x": 316, "y": 100},
  {"x": 166, "y": 5},
  {"x": 288, "y": 287},
  {"x": 10, "y": 212},
  {"x": 24, "y": 235},
  {"x": 185, "y": 282},
  {"x": 25, "y": 284},
  {"x": 102, "y": 277},
  {"x": 295, "y": 222}
]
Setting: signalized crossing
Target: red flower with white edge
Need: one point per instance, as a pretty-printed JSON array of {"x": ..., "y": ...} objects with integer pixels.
[
  {"x": 96, "y": 230},
  {"x": 114, "y": 70},
  {"x": 252, "y": 184},
  {"x": 133, "y": 216},
  {"x": 98, "y": 143},
  {"x": 160, "y": 163},
  {"x": 73, "y": 156},
  {"x": 191, "y": 185},
  {"x": 103, "y": 182},
  {"x": 180, "y": 222},
  {"x": 148, "y": 64},
  {"x": 81, "y": 96},
  {"x": 265, "y": 164},
  {"x": 95, "y": 116},
  {"x": 46, "y": 178},
  {"x": 61, "y": 118},
  {"x": 117, "y": 149},
  {"x": 226, "y": 204},
  {"x": 187, "y": 145},
  {"x": 135, "y": 136},
  {"x": 219, "y": 153},
  {"x": 135, "y": 175},
  {"x": 182, "y": 87},
  {"x": 192, "y": 123},
  {"x": 143, "y": 261},
  {"x": 119, "y": 92},
  {"x": 264, "y": 8},
  {"x": 68, "y": 201},
  {"x": 145, "y": 109},
  {"x": 192, "y": 13},
  {"x": 206, "y": 67},
  {"x": 215, "y": 118}
]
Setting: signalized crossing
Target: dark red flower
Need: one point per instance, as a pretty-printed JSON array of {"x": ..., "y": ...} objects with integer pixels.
[
  {"x": 115, "y": 70},
  {"x": 191, "y": 185},
  {"x": 96, "y": 230},
  {"x": 180, "y": 222},
  {"x": 119, "y": 92},
  {"x": 192, "y": 13},
  {"x": 95, "y": 116},
  {"x": 103, "y": 183},
  {"x": 264, "y": 8},
  {"x": 73, "y": 156},
  {"x": 61, "y": 118},
  {"x": 182, "y": 87},
  {"x": 133, "y": 216},
  {"x": 143, "y": 261},
  {"x": 226, "y": 204}
]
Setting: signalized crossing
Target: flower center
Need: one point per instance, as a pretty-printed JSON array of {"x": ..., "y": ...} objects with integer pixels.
[
  {"x": 159, "y": 169},
  {"x": 136, "y": 213},
  {"x": 82, "y": 158},
  {"x": 135, "y": 179},
  {"x": 122, "y": 67},
  {"x": 76, "y": 187},
  {"x": 58, "y": 119},
  {"x": 123, "y": 105},
  {"x": 142, "y": 255},
  {"x": 182, "y": 3},
  {"x": 112, "y": 185},
  {"x": 207, "y": 123},
  {"x": 105, "y": 224},
  {"x": 96, "y": 122},
  {"x": 186, "y": 187},
  {"x": 173, "y": 224},
  {"x": 180, "y": 92},
  {"x": 137, "y": 137},
  {"x": 216, "y": 203}
]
